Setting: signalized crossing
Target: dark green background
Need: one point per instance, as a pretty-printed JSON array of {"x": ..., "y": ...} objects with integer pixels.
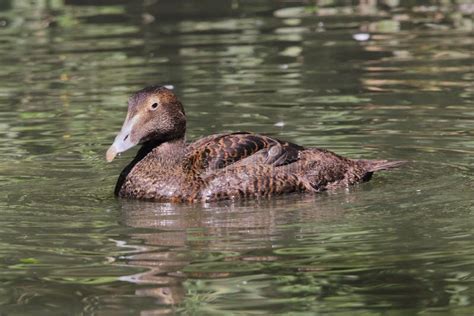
[{"x": 399, "y": 245}]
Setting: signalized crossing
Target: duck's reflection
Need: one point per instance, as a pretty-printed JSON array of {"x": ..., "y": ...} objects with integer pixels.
[{"x": 172, "y": 236}]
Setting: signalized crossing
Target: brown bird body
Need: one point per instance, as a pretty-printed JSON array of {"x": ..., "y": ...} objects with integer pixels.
[{"x": 222, "y": 166}]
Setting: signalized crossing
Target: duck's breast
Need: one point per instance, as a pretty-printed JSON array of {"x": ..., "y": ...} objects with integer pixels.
[{"x": 150, "y": 179}]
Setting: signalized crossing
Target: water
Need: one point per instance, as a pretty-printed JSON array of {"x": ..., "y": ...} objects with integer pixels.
[{"x": 393, "y": 81}]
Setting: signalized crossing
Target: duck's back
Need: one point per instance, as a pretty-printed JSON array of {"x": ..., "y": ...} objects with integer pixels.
[{"x": 221, "y": 150}]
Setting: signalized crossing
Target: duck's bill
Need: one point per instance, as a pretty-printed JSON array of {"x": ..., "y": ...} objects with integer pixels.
[
  {"x": 122, "y": 141},
  {"x": 111, "y": 154}
]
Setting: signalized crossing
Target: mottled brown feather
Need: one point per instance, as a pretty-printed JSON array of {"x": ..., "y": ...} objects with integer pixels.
[
  {"x": 218, "y": 151},
  {"x": 232, "y": 165}
]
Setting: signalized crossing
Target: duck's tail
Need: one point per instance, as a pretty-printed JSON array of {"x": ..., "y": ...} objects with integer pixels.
[{"x": 378, "y": 165}]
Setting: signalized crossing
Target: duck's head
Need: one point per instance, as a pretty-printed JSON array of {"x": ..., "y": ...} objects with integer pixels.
[{"x": 154, "y": 114}]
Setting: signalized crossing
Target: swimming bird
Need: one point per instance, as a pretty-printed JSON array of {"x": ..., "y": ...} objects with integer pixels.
[{"x": 223, "y": 166}]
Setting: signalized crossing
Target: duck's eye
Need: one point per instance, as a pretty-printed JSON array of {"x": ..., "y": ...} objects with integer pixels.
[{"x": 154, "y": 106}]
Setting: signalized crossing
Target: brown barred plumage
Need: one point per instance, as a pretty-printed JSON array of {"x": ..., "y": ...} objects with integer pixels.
[{"x": 222, "y": 166}]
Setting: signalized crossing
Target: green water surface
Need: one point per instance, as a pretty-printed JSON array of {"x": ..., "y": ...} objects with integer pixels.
[{"x": 387, "y": 79}]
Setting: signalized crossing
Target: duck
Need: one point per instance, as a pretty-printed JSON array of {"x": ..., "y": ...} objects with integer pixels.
[{"x": 225, "y": 166}]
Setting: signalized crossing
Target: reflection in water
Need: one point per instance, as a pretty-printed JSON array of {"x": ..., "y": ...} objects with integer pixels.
[
  {"x": 323, "y": 248},
  {"x": 178, "y": 236}
]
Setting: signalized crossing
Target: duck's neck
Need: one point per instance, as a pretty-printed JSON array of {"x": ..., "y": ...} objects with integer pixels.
[{"x": 171, "y": 151}]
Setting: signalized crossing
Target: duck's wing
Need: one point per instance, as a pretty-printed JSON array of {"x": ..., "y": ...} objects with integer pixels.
[
  {"x": 221, "y": 150},
  {"x": 315, "y": 170}
]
